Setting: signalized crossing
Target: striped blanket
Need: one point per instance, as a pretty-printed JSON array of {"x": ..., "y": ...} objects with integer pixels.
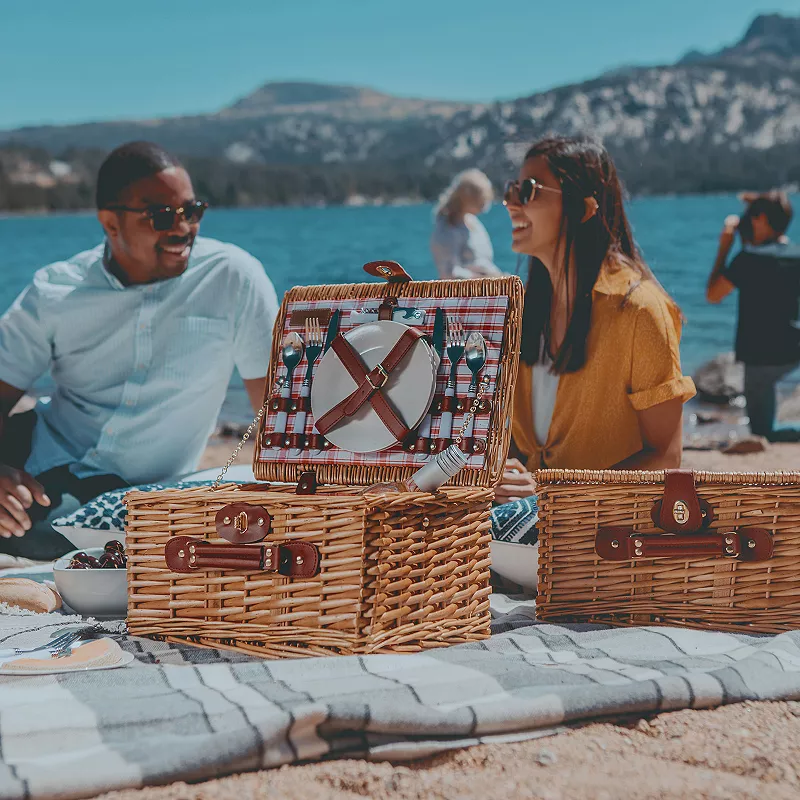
[{"x": 180, "y": 713}]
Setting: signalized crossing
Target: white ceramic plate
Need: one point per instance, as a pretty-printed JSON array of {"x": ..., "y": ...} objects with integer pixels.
[
  {"x": 123, "y": 661},
  {"x": 518, "y": 563},
  {"x": 409, "y": 389}
]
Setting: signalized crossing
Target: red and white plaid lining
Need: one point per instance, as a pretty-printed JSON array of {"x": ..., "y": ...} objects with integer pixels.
[{"x": 486, "y": 315}]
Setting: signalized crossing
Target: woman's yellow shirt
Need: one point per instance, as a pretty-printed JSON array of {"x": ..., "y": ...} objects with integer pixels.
[{"x": 632, "y": 363}]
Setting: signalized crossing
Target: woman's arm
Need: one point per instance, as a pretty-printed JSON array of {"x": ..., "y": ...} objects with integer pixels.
[{"x": 661, "y": 428}]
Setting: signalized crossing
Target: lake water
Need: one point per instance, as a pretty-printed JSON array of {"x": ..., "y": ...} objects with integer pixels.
[{"x": 303, "y": 246}]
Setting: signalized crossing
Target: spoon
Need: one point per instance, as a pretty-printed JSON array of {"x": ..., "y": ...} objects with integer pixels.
[
  {"x": 292, "y": 355},
  {"x": 475, "y": 356}
]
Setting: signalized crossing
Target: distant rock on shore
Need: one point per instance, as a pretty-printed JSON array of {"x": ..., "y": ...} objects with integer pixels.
[{"x": 720, "y": 380}]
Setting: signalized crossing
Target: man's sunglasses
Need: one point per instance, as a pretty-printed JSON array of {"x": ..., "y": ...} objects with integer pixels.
[
  {"x": 520, "y": 193},
  {"x": 164, "y": 218}
]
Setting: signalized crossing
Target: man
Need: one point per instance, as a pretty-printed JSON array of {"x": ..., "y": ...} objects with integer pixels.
[
  {"x": 141, "y": 335},
  {"x": 767, "y": 274}
]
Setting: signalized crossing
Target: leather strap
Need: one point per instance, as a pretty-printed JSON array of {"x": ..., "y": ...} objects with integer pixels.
[
  {"x": 297, "y": 441},
  {"x": 289, "y": 404},
  {"x": 290, "y": 559},
  {"x": 451, "y": 404},
  {"x": 744, "y": 544},
  {"x": 277, "y": 439},
  {"x": 386, "y": 309},
  {"x": 389, "y": 270},
  {"x": 681, "y": 510},
  {"x": 369, "y": 385},
  {"x": 241, "y": 523}
]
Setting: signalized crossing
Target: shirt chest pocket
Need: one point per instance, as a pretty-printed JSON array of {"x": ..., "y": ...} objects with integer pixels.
[{"x": 197, "y": 348}]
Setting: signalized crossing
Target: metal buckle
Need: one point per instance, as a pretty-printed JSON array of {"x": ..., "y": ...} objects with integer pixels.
[{"x": 383, "y": 372}]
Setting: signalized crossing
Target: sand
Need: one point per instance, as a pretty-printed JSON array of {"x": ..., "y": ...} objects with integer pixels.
[{"x": 750, "y": 750}]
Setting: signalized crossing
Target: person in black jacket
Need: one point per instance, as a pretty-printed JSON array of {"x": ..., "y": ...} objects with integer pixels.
[{"x": 767, "y": 274}]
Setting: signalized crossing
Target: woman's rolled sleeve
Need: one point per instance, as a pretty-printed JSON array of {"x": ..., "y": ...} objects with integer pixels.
[{"x": 656, "y": 375}]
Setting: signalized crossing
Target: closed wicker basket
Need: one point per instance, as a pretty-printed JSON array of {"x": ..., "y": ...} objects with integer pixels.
[
  {"x": 637, "y": 548},
  {"x": 334, "y": 571}
]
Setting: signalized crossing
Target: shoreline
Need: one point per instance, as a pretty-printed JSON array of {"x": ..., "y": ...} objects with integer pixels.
[{"x": 384, "y": 201}]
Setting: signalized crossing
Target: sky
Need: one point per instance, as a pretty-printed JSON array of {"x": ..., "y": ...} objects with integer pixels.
[{"x": 82, "y": 60}]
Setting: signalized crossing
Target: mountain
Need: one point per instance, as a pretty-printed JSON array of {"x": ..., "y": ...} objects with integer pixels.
[
  {"x": 771, "y": 40},
  {"x": 711, "y": 122}
]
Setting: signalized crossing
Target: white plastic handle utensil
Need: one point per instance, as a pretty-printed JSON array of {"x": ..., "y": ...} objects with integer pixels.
[
  {"x": 446, "y": 426},
  {"x": 300, "y": 418},
  {"x": 280, "y": 420}
]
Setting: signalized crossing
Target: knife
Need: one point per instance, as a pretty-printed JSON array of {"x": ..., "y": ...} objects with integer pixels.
[
  {"x": 333, "y": 331},
  {"x": 437, "y": 340}
]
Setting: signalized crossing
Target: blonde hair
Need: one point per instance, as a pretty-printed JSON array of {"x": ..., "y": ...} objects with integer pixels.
[{"x": 471, "y": 183}]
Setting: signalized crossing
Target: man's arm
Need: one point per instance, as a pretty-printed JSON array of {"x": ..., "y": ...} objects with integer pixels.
[
  {"x": 719, "y": 287},
  {"x": 255, "y": 391},
  {"x": 9, "y": 397},
  {"x": 18, "y": 490},
  {"x": 661, "y": 429}
]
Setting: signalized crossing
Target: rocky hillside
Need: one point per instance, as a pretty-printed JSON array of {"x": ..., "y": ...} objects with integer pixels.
[{"x": 712, "y": 121}]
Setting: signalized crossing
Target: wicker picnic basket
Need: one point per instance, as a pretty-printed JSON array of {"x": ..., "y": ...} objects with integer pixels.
[
  {"x": 310, "y": 565},
  {"x": 699, "y": 550}
]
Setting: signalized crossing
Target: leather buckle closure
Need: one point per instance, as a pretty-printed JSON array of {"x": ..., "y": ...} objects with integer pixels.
[{"x": 384, "y": 375}]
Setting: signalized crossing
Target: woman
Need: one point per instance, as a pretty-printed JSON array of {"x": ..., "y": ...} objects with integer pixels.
[
  {"x": 600, "y": 383},
  {"x": 460, "y": 244}
]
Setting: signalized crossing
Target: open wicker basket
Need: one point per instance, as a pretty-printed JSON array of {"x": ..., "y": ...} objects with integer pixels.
[
  {"x": 393, "y": 573},
  {"x": 736, "y": 571}
]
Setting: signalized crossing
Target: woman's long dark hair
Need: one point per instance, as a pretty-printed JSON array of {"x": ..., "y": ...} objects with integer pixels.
[{"x": 584, "y": 169}]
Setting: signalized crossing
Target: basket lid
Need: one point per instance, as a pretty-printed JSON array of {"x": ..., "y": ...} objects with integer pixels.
[{"x": 288, "y": 442}]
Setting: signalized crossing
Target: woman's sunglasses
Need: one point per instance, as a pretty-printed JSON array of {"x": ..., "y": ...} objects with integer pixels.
[
  {"x": 164, "y": 218},
  {"x": 521, "y": 193}
]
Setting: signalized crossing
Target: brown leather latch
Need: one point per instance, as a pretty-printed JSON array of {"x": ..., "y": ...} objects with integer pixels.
[
  {"x": 241, "y": 523},
  {"x": 290, "y": 559},
  {"x": 388, "y": 270},
  {"x": 680, "y": 510}
]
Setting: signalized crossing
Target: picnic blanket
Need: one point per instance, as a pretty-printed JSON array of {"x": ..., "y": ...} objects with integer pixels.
[{"x": 182, "y": 713}]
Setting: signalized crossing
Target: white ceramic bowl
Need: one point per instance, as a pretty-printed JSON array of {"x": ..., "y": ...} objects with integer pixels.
[
  {"x": 92, "y": 592},
  {"x": 517, "y": 563}
]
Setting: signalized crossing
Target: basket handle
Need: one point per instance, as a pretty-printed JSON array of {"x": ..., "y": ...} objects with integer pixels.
[
  {"x": 290, "y": 559},
  {"x": 625, "y": 544}
]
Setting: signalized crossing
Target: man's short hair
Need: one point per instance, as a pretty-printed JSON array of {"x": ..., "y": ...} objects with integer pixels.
[
  {"x": 776, "y": 207},
  {"x": 127, "y": 164}
]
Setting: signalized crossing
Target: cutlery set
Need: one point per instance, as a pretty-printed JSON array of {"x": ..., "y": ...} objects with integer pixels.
[{"x": 449, "y": 338}]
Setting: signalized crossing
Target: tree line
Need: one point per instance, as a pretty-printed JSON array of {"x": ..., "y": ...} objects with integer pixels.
[{"x": 663, "y": 170}]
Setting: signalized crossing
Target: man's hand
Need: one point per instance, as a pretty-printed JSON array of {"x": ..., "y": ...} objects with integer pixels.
[
  {"x": 729, "y": 229},
  {"x": 18, "y": 490},
  {"x": 515, "y": 484}
]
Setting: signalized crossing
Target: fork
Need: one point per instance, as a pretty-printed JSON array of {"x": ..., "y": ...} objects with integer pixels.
[
  {"x": 456, "y": 342},
  {"x": 57, "y": 645},
  {"x": 314, "y": 345}
]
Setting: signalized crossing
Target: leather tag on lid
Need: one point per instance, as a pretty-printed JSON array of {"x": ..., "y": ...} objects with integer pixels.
[
  {"x": 680, "y": 510},
  {"x": 307, "y": 483},
  {"x": 388, "y": 270},
  {"x": 241, "y": 523}
]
